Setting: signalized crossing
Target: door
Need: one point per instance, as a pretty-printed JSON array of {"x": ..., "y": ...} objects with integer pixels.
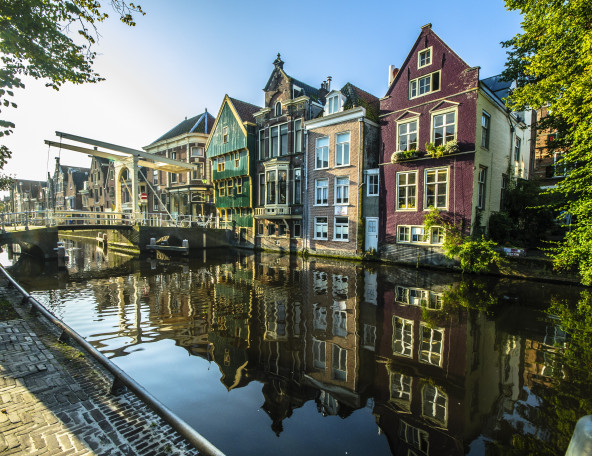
[{"x": 371, "y": 233}]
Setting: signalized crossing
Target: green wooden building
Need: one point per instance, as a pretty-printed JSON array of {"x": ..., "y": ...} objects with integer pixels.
[{"x": 231, "y": 147}]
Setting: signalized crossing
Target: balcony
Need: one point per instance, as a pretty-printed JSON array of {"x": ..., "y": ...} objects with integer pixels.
[{"x": 278, "y": 211}]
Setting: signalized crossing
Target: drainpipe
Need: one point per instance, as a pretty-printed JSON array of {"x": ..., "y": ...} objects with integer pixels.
[
  {"x": 305, "y": 205},
  {"x": 360, "y": 181}
]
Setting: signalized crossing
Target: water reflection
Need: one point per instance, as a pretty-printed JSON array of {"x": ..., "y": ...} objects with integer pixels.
[{"x": 411, "y": 362}]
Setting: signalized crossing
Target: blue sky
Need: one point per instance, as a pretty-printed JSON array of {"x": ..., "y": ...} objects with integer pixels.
[{"x": 184, "y": 55}]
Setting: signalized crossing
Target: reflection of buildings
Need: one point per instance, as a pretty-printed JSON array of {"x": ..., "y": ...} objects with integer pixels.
[{"x": 437, "y": 377}]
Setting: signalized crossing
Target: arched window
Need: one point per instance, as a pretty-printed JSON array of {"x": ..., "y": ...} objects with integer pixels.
[{"x": 278, "y": 109}]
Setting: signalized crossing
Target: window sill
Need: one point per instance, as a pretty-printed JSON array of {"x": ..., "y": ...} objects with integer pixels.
[
  {"x": 344, "y": 166},
  {"x": 320, "y": 205},
  {"x": 319, "y": 239},
  {"x": 340, "y": 240},
  {"x": 406, "y": 210}
]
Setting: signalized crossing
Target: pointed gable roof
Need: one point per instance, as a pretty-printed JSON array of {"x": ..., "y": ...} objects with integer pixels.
[
  {"x": 307, "y": 89},
  {"x": 244, "y": 110},
  {"x": 358, "y": 97},
  {"x": 426, "y": 34},
  {"x": 202, "y": 123}
]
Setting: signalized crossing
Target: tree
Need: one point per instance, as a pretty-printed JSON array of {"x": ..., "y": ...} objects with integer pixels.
[
  {"x": 35, "y": 41},
  {"x": 551, "y": 61}
]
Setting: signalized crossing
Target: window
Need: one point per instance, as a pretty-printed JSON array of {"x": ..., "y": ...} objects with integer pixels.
[
  {"x": 402, "y": 337},
  {"x": 485, "y": 118},
  {"x": 260, "y": 228},
  {"x": 274, "y": 142},
  {"x": 222, "y": 188},
  {"x": 230, "y": 187},
  {"x": 270, "y": 187},
  {"x": 407, "y": 136},
  {"x": 434, "y": 404},
  {"x": 298, "y": 136},
  {"x": 320, "y": 228},
  {"x": 282, "y": 187},
  {"x": 401, "y": 386},
  {"x": 261, "y": 189},
  {"x": 342, "y": 190},
  {"x": 559, "y": 166},
  {"x": 155, "y": 174},
  {"x": 407, "y": 190},
  {"x": 436, "y": 187},
  {"x": 437, "y": 235},
  {"x": 197, "y": 152},
  {"x": 262, "y": 151},
  {"x": 173, "y": 178},
  {"x": 342, "y": 149},
  {"x": 322, "y": 153},
  {"x": 284, "y": 139},
  {"x": 297, "y": 230},
  {"x": 174, "y": 155},
  {"x": 414, "y": 436},
  {"x": 517, "y": 149},
  {"x": 198, "y": 172},
  {"x": 424, "y": 58},
  {"x": 339, "y": 363},
  {"x": 224, "y": 135},
  {"x": 372, "y": 182},
  {"x": 340, "y": 323},
  {"x": 503, "y": 193},
  {"x": 239, "y": 186},
  {"x": 424, "y": 85},
  {"x": 430, "y": 345},
  {"x": 237, "y": 159},
  {"x": 297, "y": 186},
  {"x": 341, "y": 232},
  {"x": 318, "y": 349},
  {"x": 333, "y": 103},
  {"x": 221, "y": 164},
  {"x": 481, "y": 181},
  {"x": 443, "y": 128},
  {"x": 278, "y": 109},
  {"x": 321, "y": 191}
]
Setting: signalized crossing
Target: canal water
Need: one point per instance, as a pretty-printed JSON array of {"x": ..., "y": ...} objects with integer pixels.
[{"x": 267, "y": 354}]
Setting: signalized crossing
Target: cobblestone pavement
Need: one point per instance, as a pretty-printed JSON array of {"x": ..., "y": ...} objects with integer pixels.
[{"x": 55, "y": 401}]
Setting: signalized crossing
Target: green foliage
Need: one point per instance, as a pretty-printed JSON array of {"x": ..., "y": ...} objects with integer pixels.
[
  {"x": 527, "y": 216},
  {"x": 475, "y": 254},
  {"x": 404, "y": 155},
  {"x": 35, "y": 42},
  {"x": 551, "y": 61},
  {"x": 440, "y": 150}
]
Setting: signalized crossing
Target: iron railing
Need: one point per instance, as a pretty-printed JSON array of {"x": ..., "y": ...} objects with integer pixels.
[{"x": 120, "y": 378}]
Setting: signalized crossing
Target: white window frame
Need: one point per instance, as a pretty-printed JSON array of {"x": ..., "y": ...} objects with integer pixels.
[
  {"x": 428, "y": 51},
  {"x": 285, "y": 140},
  {"x": 339, "y": 363},
  {"x": 404, "y": 339},
  {"x": 517, "y": 147},
  {"x": 334, "y": 104},
  {"x": 297, "y": 193},
  {"x": 407, "y": 123},
  {"x": 372, "y": 174},
  {"x": 343, "y": 189},
  {"x": 406, "y": 187},
  {"x": 341, "y": 147},
  {"x": 434, "y": 399},
  {"x": 415, "y": 85},
  {"x": 197, "y": 151},
  {"x": 481, "y": 187},
  {"x": 426, "y": 207},
  {"x": 338, "y": 233},
  {"x": 325, "y": 196},
  {"x": 426, "y": 353},
  {"x": 319, "y": 351},
  {"x": 271, "y": 137},
  {"x": 443, "y": 113},
  {"x": 298, "y": 135},
  {"x": 485, "y": 129},
  {"x": 278, "y": 109},
  {"x": 323, "y": 150},
  {"x": 325, "y": 224}
]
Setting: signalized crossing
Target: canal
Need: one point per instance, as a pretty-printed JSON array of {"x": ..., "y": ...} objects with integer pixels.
[{"x": 267, "y": 354}]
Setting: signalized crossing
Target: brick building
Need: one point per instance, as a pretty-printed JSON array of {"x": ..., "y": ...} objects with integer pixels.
[
  {"x": 342, "y": 174},
  {"x": 98, "y": 193},
  {"x": 449, "y": 143},
  {"x": 188, "y": 193},
  {"x": 289, "y": 103}
]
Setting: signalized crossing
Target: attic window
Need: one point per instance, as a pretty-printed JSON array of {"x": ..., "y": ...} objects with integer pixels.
[
  {"x": 278, "y": 109},
  {"x": 296, "y": 92},
  {"x": 424, "y": 85},
  {"x": 224, "y": 135},
  {"x": 424, "y": 58},
  {"x": 333, "y": 103}
]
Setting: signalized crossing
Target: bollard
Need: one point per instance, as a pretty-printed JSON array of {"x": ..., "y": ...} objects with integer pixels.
[
  {"x": 61, "y": 252},
  {"x": 152, "y": 241},
  {"x": 185, "y": 244},
  {"x": 581, "y": 440}
]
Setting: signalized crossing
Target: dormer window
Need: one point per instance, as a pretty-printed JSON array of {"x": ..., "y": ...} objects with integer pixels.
[
  {"x": 424, "y": 58},
  {"x": 334, "y": 104},
  {"x": 278, "y": 109}
]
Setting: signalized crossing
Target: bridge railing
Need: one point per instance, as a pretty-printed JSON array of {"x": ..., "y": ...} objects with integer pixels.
[{"x": 24, "y": 220}]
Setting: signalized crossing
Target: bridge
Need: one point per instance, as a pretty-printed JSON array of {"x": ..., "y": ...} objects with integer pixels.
[{"x": 37, "y": 231}]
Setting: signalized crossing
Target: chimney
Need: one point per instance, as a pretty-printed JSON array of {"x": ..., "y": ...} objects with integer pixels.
[
  {"x": 329, "y": 83},
  {"x": 392, "y": 74}
]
